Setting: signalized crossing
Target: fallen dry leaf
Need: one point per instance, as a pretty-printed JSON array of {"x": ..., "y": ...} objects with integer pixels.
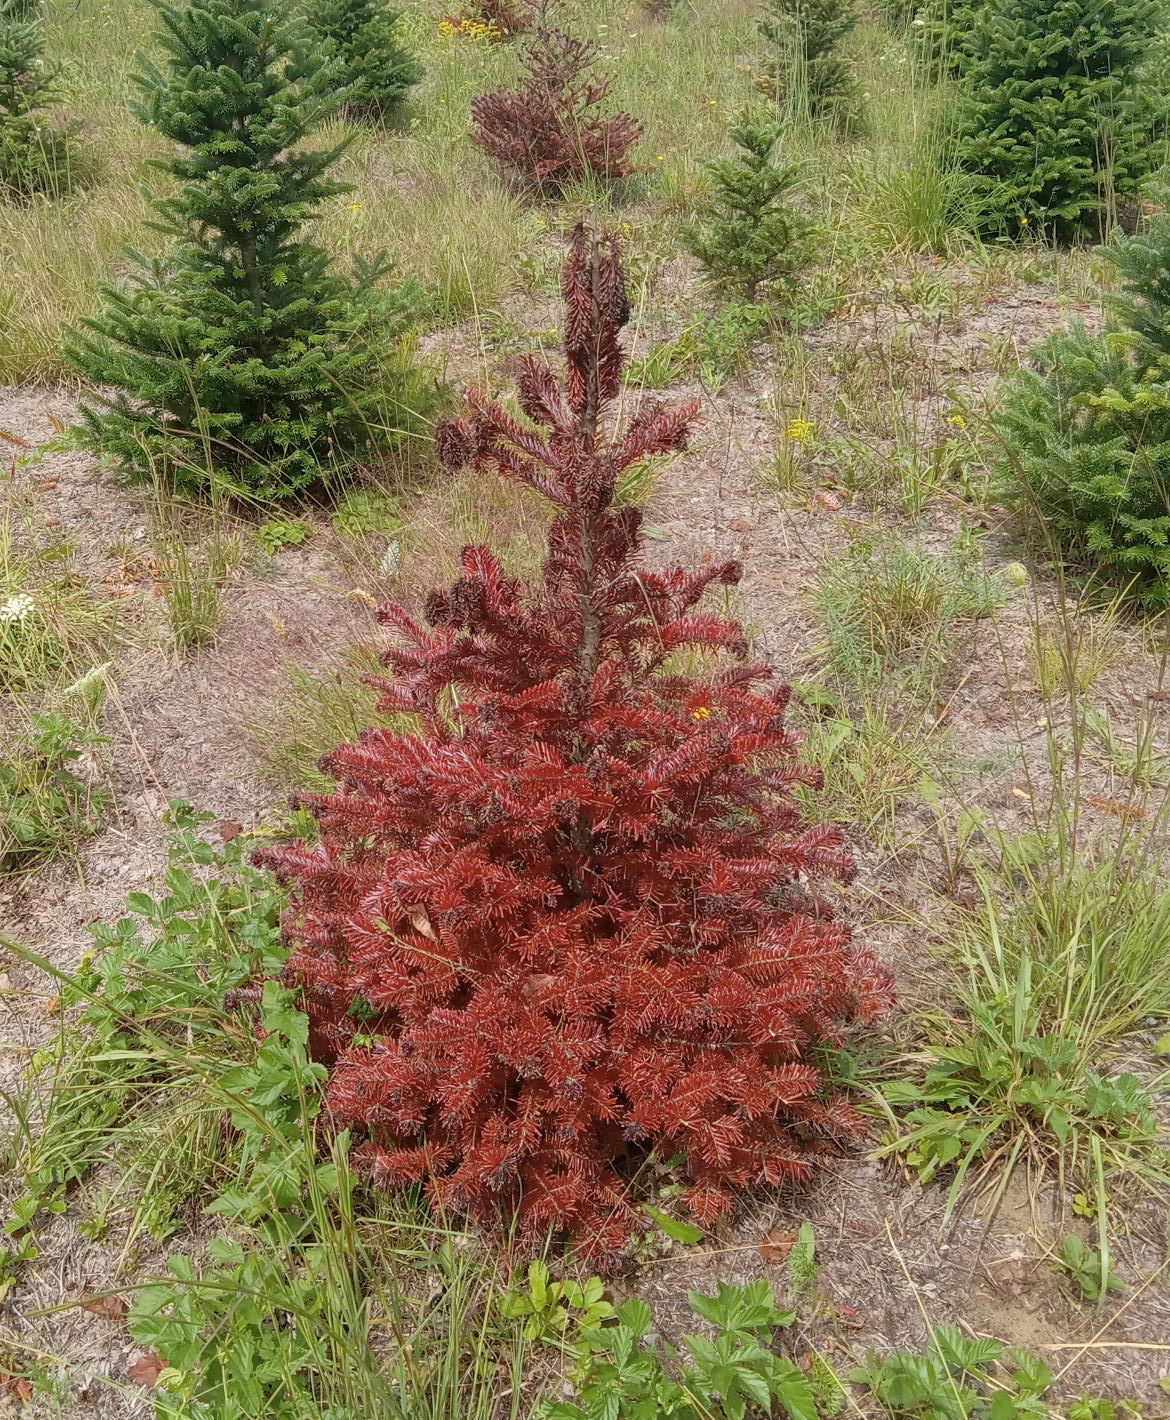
[
  {"x": 829, "y": 500},
  {"x": 9, "y": 437},
  {"x": 738, "y": 525},
  {"x": 1115, "y": 808},
  {"x": 775, "y": 1247},
  {"x": 53, "y": 1006},
  {"x": 17, "y": 1386},
  {"x": 147, "y": 1369},
  {"x": 229, "y": 829},
  {"x": 113, "y": 1308}
]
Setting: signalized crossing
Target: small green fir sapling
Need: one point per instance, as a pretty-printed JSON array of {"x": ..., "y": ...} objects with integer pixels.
[
  {"x": 36, "y": 157},
  {"x": 372, "y": 67},
  {"x": 241, "y": 356},
  {"x": 805, "y": 71},
  {"x": 750, "y": 239},
  {"x": 1086, "y": 432}
]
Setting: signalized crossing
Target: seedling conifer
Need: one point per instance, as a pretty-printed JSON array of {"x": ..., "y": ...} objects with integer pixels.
[
  {"x": 35, "y": 156},
  {"x": 372, "y": 66},
  {"x": 241, "y": 355},
  {"x": 751, "y": 240},
  {"x": 804, "y": 68}
]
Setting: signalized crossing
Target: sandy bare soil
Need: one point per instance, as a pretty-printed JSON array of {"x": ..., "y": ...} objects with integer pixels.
[{"x": 180, "y": 727}]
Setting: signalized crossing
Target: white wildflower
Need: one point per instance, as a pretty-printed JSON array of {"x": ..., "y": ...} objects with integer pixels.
[{"x": 16, "y": 608}]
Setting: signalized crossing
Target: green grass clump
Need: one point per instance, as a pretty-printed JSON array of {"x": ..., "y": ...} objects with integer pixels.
[
  {"x": 302, "y": 1302},
  {"x": 888, "y": 607},
  {"x": 1059, "y": 973},
  {"x": 53, "y": 628}
]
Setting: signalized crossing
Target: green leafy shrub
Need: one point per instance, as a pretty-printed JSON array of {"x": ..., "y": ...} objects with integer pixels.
[
  {"x": 241, "y": 357},
  {"x": 35, "y": 156},
  {"x": 548, "y": 1309},
  {"x": 276, "y": 534},
  {"x": 750, "y": 239},
  {"x": 143, "y": 1043},
  {"x": 957, "y": 1378},
  {"x": 1086, "y": 432},
  {"x": 1088, "y": 1269},
  {"x": 805, "y": 71},
  {"x": 623, "y": 1367},
  {"x": 365, "y": 512},
  {"x": 372, "y": 68},
  {"x": 1055, "y": 117},
  {"x": 715, "y": 348},
  {"x": 46, "y": 805}
]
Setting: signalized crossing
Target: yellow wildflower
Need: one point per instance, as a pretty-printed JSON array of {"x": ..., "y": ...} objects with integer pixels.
[
  {"x": 701, "y": 712},
  {"x": 958, "y": 422},
  {"x": 800, "y": 430}
]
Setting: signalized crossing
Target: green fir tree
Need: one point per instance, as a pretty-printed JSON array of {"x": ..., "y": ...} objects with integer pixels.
[
  {"x": 371, "y": 64},
  {"x": 750, "y": 239},
  {"x": 804, "y": 68},
  {"x": 1056, "y": 120},
  {"x": 940, "y": 35},
  {"x": 1086, "y": 432},
  {"x": 35, "y": 155},
  {"x": 241, "y": 355}
]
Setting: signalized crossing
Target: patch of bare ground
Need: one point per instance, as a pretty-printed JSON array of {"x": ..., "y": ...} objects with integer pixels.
[{"x": 178, "y": 727}]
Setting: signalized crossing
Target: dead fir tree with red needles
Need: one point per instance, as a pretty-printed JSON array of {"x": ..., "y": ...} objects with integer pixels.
[
  {"x": 550, "y": 131},
  {"x": 565, "y": 919}
]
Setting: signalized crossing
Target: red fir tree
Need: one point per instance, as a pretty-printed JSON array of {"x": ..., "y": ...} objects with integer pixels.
[
  {"x": 550, "y": 131},
  {"x": 563, "y": 921}
]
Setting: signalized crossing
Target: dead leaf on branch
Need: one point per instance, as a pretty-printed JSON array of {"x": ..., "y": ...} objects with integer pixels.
[
  {"x": 111, "y": 1307},
  {"x": 422, "y": 923}
]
